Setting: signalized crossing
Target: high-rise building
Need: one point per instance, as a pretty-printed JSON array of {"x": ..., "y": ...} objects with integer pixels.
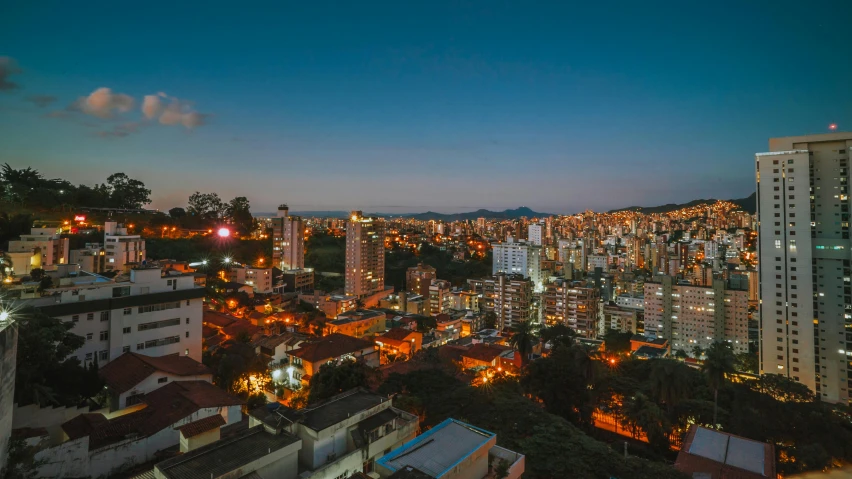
[
  {"x": 365, "y": 255},
  {"x": 572, "y": 304},
  {"x": 439, "y": 296},
  {"x": 418, "y": 278},
  {"x": 689, "y": 315},
  {"x": 518, "y": 257},
  {"x": 288, "y": 240},
  {"x": 535, "y": 233},
  {"x": 804, "y": 262}
]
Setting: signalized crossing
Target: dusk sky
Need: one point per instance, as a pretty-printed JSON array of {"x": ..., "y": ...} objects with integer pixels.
[{"x": 404, "y": 106}]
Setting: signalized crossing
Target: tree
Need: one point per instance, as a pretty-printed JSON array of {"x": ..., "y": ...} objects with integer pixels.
[
  {"x": 177, "y": 212},
  {"x": 669, "y": 382},
  {"x": 125, "y": 192},
  {"x": 206, "y": 206},
  {"x": 718, "y": 364},
  {"x": 616, "y": 341},
  {"x": 697, "y": 351},
  {"x": 680, "y": 354},
  {"x": 333, "y": 379},
  {"x": 562, "y": 382},
  {"x": 747, "y": 362},
  {"x": 238, "y": 212},
  {"x": 641, "y": 413},
  {"x": 557, "y": 335},
  {"x": 784, "y": 389},
  {"x": 46, "y": 372},
  {"x": 524, "y": 337},
  {"x": 5, "y": 264}
]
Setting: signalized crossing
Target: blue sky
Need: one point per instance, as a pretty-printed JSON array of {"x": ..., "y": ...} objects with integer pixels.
[{"x": 408, "y": 106}]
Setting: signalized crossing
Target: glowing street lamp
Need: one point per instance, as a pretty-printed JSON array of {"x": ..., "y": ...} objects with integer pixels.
[
  {"x": 224, "y": 232},
  {"x": 227, "y": 259}
]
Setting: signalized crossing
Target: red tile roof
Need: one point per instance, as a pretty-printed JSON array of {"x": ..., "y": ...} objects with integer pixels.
[
  {"x": 83, "y": 425},
  {"x": 397, "y": 334},
  {"x": 200, "y": 426},
  {"x": 126, "y": 371},
  {"x": 485, "y": 352},
  {"x": 330, "y": 347},
  {"x": 452, "y": 352},
  {"x": 165, "y": 406},
  {"x": 215, "y": 318}
]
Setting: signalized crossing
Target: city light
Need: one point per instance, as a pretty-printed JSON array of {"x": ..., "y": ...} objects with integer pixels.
[
  {"x": 4, "y": 316},
  {"x": 227, "y": 259},
  {"x": 224, "y": 232}
]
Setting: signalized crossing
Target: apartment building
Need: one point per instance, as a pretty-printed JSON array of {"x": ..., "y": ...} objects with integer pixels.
[
  {"x": 804, "y": 256},
  {"x": 519, "y": 257},
  {"x": 365, "y": 255},
  {"x": 510, "y": 297},
  {"x": 574, "y": 305},
  {"x": 440, "y": 296},
  {"x": 122, "y": 248},
  {"x": 288, "y": 240},
  {"x": 42, "y": 248},
  {"x": 691, "y": 315},
  {"x": 143, "y": 312},
  {"x": 419, "y": 278},
  {"x": 260, "y": 279}
]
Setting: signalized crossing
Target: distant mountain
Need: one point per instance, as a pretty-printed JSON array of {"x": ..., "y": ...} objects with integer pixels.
[
  {"x": 748, "y": 204},
  {"x": 514, "y": 214}
]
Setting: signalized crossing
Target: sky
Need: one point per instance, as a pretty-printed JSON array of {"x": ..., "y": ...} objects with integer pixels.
[{"x": 408, "y": 106}]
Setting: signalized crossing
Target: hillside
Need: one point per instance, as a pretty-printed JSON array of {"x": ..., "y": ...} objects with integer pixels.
[{"x": 748, "y": 204}]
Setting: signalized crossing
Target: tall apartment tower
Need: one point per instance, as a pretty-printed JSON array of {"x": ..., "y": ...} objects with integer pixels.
[
  {"x": 365, "y": 255},
  {"x": 535, "y": 233},
  {"x": 518, "y": 257},
  {"x": 288, "y": 240},
  {"x": 804, "y": 260}
]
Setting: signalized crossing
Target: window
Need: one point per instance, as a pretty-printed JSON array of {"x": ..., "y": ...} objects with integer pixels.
[
  {"x": 90, "y": 316},
  {"x": 159, "y": 342},
  {"x": 778, "y": 244},
  {"x": 104, "y": 355},
  {"x": 89, "y": 336},
  {"x": 104, "y": 315},
  {"x": 121, "y": 291},
  {"x": 75, "y": 318},
  {"x": 125, "y": 349},
  {"x": 140, "y": 346},
  {"x": 187, "y": 320},
  {"x": 128, "y": 311},
  {"x": 187, "y": 334},
  {"x": 158, "y": 307},
  {"x": 162, "y": 380},
  {"x": 187, "y": 302},
  {"x": 126, "y": 330},
  {"x": 158, "y": 324},
  {"x": 104, "y": 335},
  {"x": 88, "y": 356}
]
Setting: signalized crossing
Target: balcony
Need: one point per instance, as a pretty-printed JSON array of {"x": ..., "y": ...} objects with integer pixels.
[{"x": 515, "y": 461}]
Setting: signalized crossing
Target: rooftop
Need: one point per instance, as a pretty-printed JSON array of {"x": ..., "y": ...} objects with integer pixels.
[
  {"x": 353, "y": 316},
  {"x": 439, "y": 449},
  {"x": 330, "y": 347},
  {"x": 721, "y": 455},
  {"x": 194, "y": 428},
  {"x": 227, "y": 455},
  {"x": 339, "y": 408},
  {"x": 129, "y": 369}
]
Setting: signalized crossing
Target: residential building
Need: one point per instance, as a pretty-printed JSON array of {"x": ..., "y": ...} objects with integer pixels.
[
  {"x": 629, "y": 301},
  {"x": 143, "y": 312},
  {"x": 574, "y": 305},
  {"x": 338, "y": 438},
  {"x": 288, "y": 240},
  {"x": 805, "y": 268},
  {"x": 534, "y": 234},
  {"x": 440, "y": 295},
  {"x": 365, "y": 255},
  {"x": 129, "y": 377},
  {"x": 450, "y": 450},
  {"x": 623, "y": 319},
  {"x": 520, "y": 257},
  {"x": 358, "y": 323},
  {"x": 46, "y": 246},
  {"x": 399, "y": 341},
  {"x": 691, "y": 315},
  {"x": 712, "y": 454},
  {"x": 94, "y": 446},
  {"x": 122, "y": 248},
  {"x": 419, "y": 278},
  {"x": 92, "y": 258},
  {"x": 298, "y": 280},
  {"x": 332, "y": 305},
  {"x": 260, "y": 279},
  {"x": 306, "y": 360},
  {"x": 509, "y": 297}
]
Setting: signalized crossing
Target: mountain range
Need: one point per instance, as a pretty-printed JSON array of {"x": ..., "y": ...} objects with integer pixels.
[{"x": 748, "y": 204}]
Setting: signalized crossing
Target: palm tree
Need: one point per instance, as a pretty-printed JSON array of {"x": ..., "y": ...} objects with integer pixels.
[
  {"x": 718, "y": 364},
  {"x": 669, "y": 382},
  {"x": 524, "y": 336},
  {"x": 640, "y": 413}
]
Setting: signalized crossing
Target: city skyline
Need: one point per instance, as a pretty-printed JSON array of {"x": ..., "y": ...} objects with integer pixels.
[{"x": 403, "y": 109}]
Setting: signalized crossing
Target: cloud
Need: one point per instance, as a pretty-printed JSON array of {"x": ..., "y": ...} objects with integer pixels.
[
  {"x": 175, "y": 112},
  {"x": 120, "y": 131},
  {"x": 8, "y": 67},
  {"x": 41, "y": 101},
  {"x": 103, "y": 103}
]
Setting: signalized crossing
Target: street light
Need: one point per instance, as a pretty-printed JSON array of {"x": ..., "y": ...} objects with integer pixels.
[{"x": 227, "y": 259}]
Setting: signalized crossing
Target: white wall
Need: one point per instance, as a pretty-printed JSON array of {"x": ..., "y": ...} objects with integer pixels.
[{"x": 151, "y": 383}]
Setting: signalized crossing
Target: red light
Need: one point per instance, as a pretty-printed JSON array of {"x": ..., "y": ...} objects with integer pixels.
[
  {"x": 832, "y": 126},
  {"x": 224, "y": 232},
  {"x": 79, "y": 218}
]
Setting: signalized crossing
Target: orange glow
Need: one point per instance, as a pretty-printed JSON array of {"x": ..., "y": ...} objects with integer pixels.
[{"x": 832, "y": 126}]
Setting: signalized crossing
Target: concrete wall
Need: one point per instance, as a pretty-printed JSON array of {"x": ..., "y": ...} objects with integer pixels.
[
  {"x": 192, "y": 443},
  {"x": 49, "y": 418},
  {"x": 8, "y": 351}
]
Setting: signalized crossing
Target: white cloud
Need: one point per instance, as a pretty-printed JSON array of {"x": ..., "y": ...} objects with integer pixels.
[
  {"x": 103, "y": 103},
  {"x": 176, "y": 112}
]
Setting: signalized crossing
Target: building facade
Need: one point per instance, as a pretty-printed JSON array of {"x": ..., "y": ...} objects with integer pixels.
[
  {"x": 365, "y": 255},
  {"x": 46, "y": 247},
  {"x": 804, "y": 257},
  {"x": 518, "y": 257},
  {"x": 418, "y": 278},
  {"x": 690, "y": 315},
  {"x": 509, "y": 297},
  {"x": 260, "y": 279},
  {"x": 288, "y": 240},
  {"x": 121, "y": 248},
  {"x": 574, "y": 305},
  {"x": 440, "y": 296}
]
